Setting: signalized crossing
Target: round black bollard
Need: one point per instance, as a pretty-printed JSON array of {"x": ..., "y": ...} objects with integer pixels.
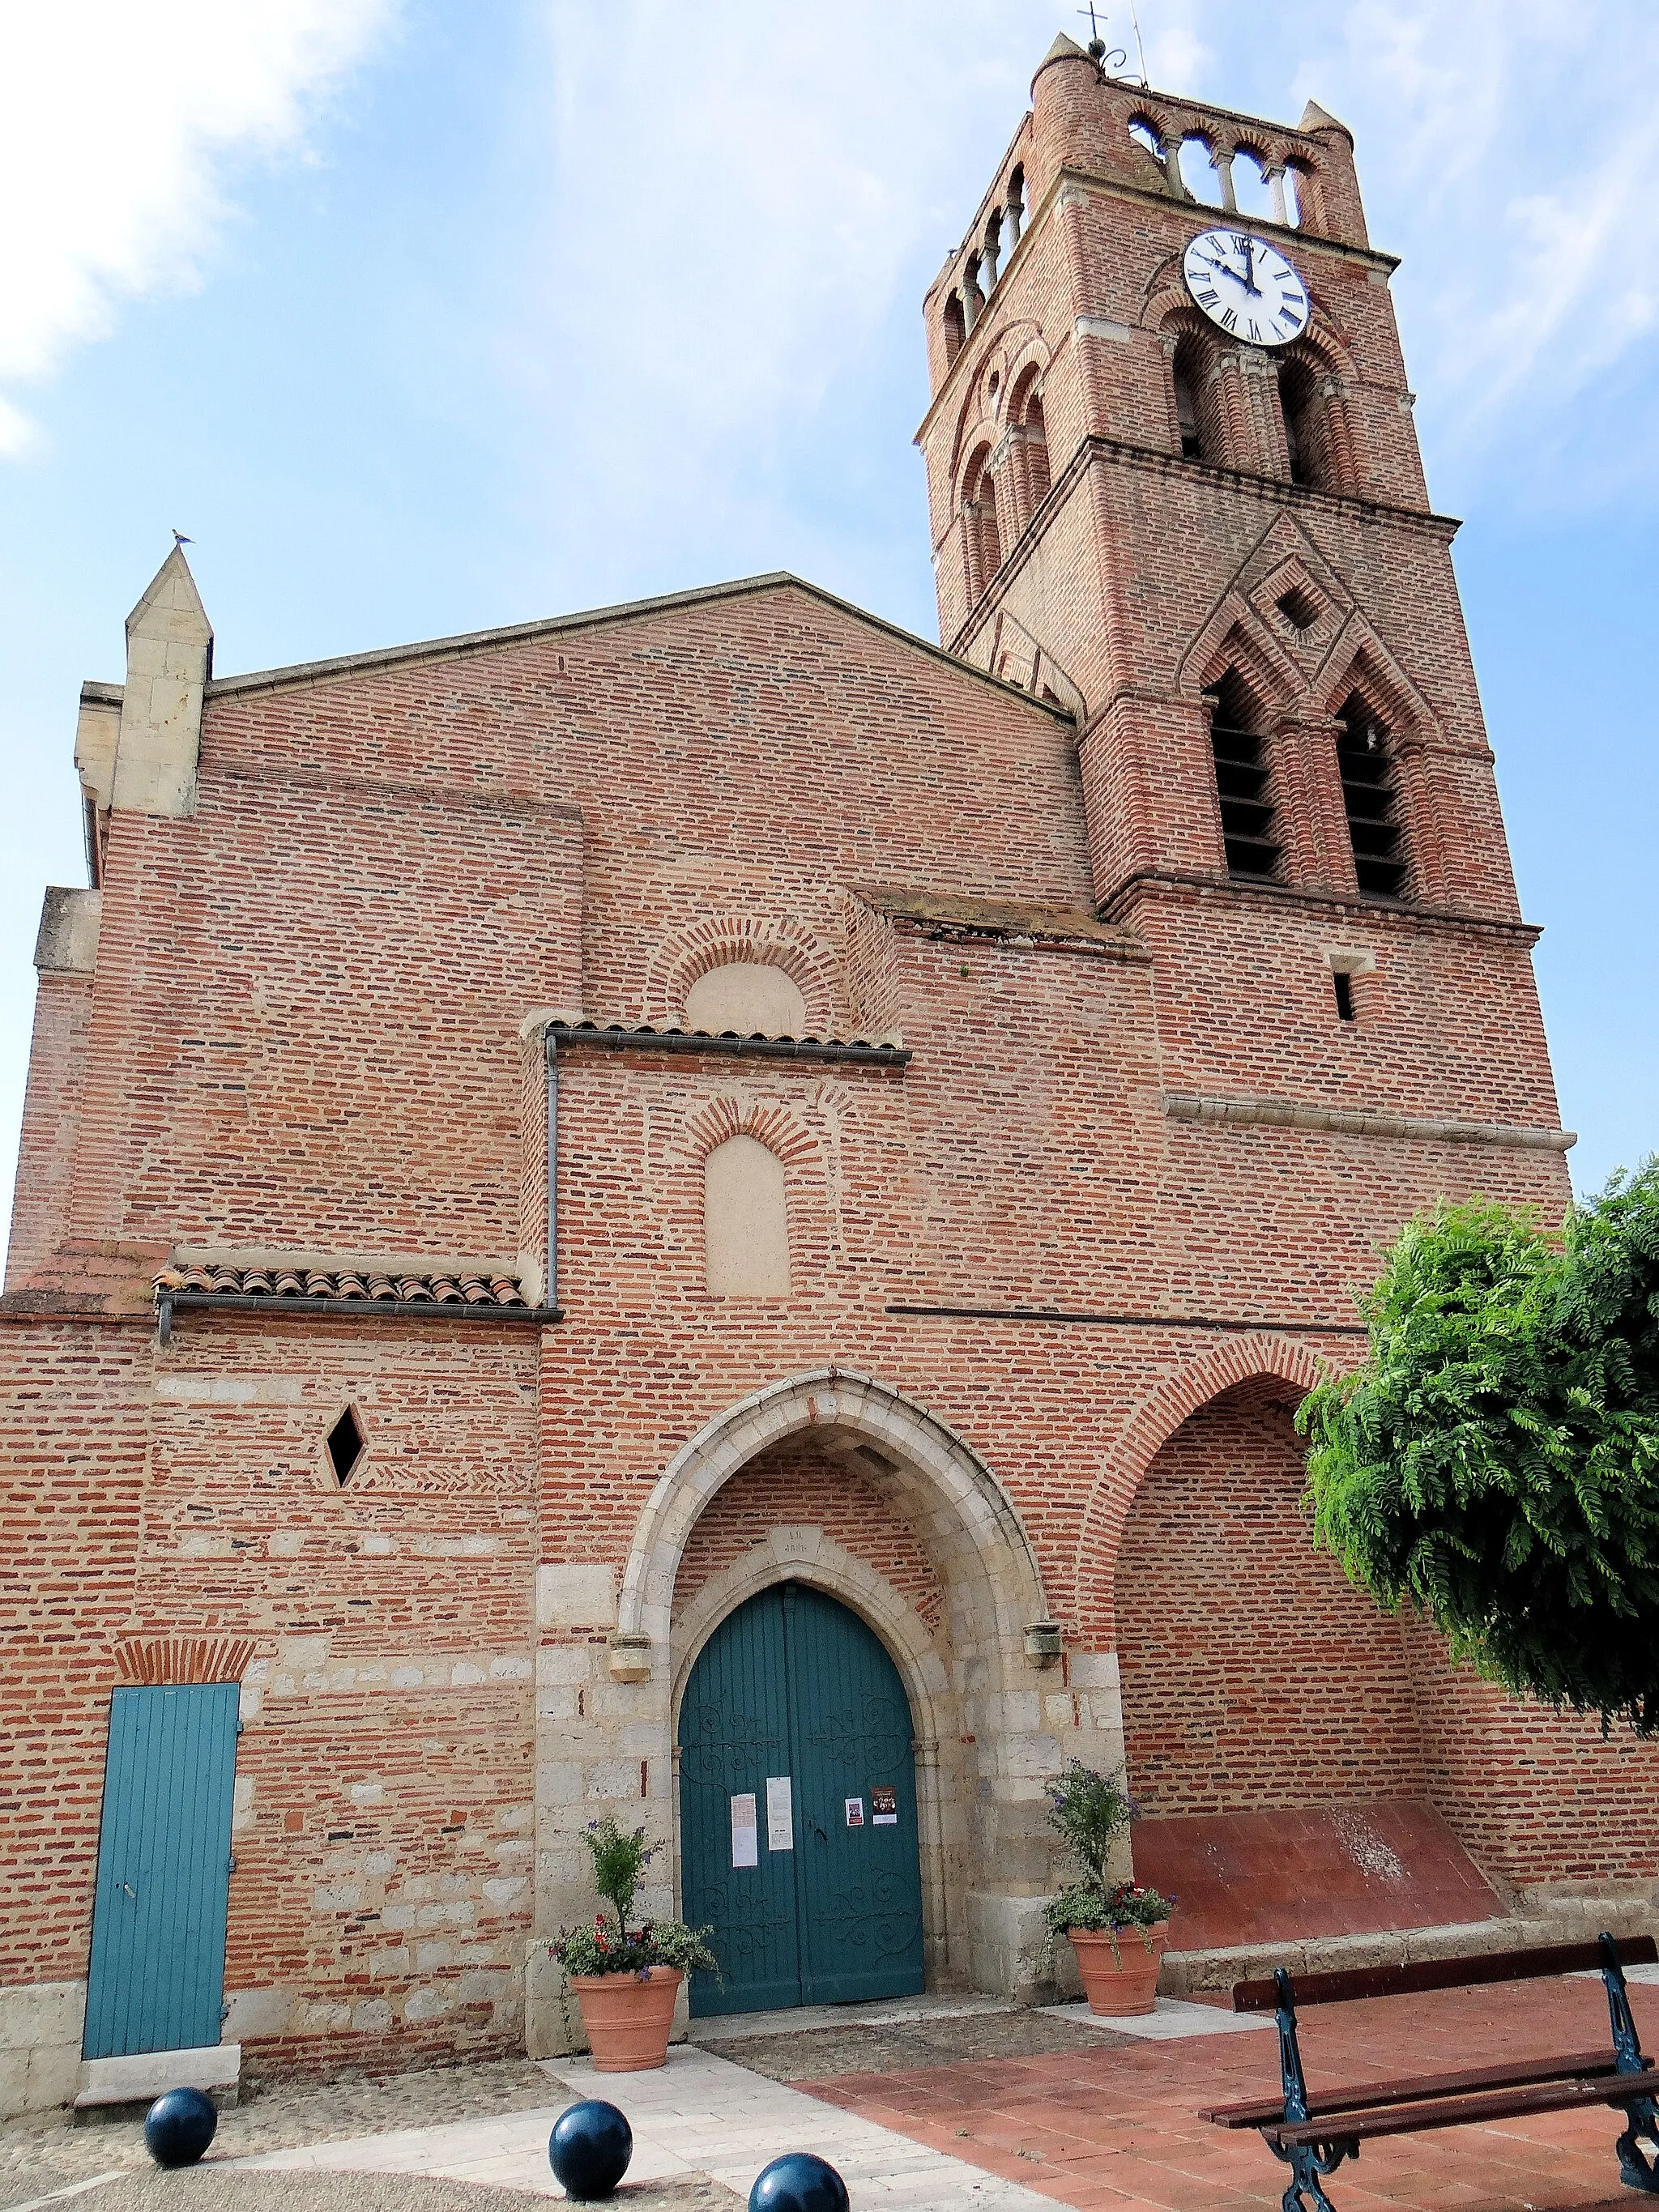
[
  {"x": 589, "y": 2150},
  {"x": 179, "y": 2126},
  {"x": 799, "y": 2182}
]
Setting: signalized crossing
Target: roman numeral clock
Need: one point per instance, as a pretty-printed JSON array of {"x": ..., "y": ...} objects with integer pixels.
[{"x": 1246, "y": 287}]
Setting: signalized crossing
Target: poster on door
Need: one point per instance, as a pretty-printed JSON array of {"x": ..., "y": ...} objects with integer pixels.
[
  {"x": 854, "y": 1812},
  {"x": 780, "y": 1814},
  {"x": 884, "y": 1805},
  {"x": 745, "y": 1840}
]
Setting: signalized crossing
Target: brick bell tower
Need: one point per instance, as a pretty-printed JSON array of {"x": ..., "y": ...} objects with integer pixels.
[{"x": 1174, "y": 483}]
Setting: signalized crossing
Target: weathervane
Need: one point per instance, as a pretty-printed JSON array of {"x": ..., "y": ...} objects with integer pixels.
[{"x": 1111, "y": 60}]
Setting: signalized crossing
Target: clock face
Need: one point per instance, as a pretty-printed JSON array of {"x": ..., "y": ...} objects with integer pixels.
[{"x": 1246, "y": 287}]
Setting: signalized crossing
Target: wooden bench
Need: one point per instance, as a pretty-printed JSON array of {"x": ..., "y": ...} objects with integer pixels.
[{"x": 1312, "y": 2135}]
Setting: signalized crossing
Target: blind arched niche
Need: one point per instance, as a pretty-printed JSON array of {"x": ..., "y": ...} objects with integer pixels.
[{"x": 745, "y": 1224}]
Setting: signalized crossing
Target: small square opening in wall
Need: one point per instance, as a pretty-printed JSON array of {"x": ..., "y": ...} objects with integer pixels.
[
  {"x": 1299, "y": 607},
  {"x": 345, "y": 1445},
  {"x": 1344, "y": 1005}
]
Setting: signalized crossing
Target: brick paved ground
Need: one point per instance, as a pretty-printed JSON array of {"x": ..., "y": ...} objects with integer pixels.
[{"x": 1114, "y": 2127}]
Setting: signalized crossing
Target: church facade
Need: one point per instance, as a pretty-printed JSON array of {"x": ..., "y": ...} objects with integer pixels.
[{"x": 708, "y": 1212}]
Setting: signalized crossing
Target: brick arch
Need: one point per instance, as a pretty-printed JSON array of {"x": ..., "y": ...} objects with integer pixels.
[
  {"x": 721, "y": 940},
  {"x": 768, "y": 1120},
  {"x": 183, "y": 1658},
  {"x": 1033, "y": 355},
  {"x": 977, "y": 428},
  {"x": 1193, "y": 1385},
  {"x": 1235, "y": 635},
  {"x": 1359, "y": 661},
  {"x": 1167, "y": 308},
  {"x": 1321, "y": 343}
]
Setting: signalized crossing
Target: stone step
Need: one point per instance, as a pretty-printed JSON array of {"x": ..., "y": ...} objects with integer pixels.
[{"x": 1186, "y": 1973}]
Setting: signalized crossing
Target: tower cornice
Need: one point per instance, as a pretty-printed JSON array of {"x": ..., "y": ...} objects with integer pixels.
[{"x": 1152, "y": 461}]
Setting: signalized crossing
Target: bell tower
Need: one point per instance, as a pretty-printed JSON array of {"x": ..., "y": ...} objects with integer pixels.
[{"x": 1220, "y": 554}]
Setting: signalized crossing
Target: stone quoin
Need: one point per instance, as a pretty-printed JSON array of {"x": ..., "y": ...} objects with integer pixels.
[{"x": 535, "y": 1138}]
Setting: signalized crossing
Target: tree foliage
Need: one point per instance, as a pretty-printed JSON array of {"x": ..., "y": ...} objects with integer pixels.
[{"x": 1495, "y": 1460}]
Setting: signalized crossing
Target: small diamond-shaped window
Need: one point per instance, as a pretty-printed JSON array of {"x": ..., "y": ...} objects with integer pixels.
[{"x": 345, "y": 1445}]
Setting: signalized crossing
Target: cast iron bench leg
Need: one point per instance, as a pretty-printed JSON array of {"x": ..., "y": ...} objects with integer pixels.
[
  {"x": 1308, "y": 2162},
  {"x": 1637, "y": 2170}
]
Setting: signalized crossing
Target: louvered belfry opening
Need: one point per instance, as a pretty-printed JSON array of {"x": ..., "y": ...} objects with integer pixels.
[
  {"x": 1368, "y": 794},
  {"x": 1241, "y": 781}
]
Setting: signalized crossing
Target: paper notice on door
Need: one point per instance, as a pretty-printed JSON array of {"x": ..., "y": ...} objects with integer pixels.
[
  {"x": 854, "y": 1812},
  {"x": 884, "y": 1806},
  {"x": 780, "y": 1814},
  {"x": 745, "y": 1838}
]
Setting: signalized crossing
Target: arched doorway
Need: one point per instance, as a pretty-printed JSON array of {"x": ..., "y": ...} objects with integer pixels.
[{"x": 798, "y": 1810}]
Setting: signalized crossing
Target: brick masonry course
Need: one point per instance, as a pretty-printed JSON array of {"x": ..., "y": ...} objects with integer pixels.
[{"x": 1046, "y": 1314}]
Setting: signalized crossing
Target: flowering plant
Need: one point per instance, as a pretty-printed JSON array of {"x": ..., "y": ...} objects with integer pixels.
[
  {"x": 1091, "y": 1811},
  {"x": 610, "y": 1945},
  {"x": 604, "y": 1949}
]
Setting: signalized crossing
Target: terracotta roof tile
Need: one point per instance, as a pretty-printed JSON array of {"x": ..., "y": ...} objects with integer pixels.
[{"x": 304, "y": 1283}]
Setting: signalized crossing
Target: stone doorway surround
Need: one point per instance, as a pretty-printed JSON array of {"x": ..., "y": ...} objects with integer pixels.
[{"x": 607, "y": 1707}]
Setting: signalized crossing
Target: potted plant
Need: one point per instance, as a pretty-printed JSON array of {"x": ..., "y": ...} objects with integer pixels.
[
  {"x": 1118, "y": 1929},
  {"x": 626, "y": 1979}
]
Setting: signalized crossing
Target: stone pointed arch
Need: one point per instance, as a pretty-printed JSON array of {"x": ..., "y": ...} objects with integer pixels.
[
  {"x": 973, "y": 1526},
  {"x": 806, "y": 1554},
  {"x": 1260, "y": 1357}
]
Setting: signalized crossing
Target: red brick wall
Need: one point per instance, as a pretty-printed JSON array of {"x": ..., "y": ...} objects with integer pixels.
[
  {"x": 71, "y": 1478},
  {"x": 803, "y": 1486},
  {"x": 1254, "y": 1674},
  {"x": 1539, "y": 1797},
  {"x": 384, "y": 1826},
  {"x": 307, "y": 1034},
  {"x": 45, "y": 1156}
]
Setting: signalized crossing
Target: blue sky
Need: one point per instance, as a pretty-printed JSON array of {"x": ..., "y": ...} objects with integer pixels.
[{"x": 420, "y": 317}]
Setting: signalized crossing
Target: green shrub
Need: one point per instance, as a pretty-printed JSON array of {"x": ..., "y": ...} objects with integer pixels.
[
  {"x": 620, "y": 1858},
  {"x": 1495, "y": 1462}
]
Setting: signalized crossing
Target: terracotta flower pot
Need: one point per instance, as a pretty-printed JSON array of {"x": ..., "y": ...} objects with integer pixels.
[
  {"x": 628, "y": 2018},
  {"x": 1124, "y": 1982}
]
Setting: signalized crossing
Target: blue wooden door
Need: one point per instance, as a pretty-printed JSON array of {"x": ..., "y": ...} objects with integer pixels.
[
  {"x": 795, "y": 1717},
  {"x": 157, "y": 1976}
]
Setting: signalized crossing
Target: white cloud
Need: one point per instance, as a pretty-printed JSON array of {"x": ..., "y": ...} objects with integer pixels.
[
  {"x": 1508, "y": 149},
  {"x": 729, "y": 218},
  {"x": 118, "y": 123}
]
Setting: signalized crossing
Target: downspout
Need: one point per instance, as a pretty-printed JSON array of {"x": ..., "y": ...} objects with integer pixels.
[{"x": 550, "y": 1288}]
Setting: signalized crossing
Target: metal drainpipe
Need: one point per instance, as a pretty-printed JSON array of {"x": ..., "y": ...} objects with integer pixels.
[{"x": 550, "y": 1289}]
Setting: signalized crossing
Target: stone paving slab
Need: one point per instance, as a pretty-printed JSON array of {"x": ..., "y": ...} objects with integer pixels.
[
  {"x": 730, "y": 2122},
  {"x": 1171, "y": 2019},
  {"x": 862, "y": 2045}
]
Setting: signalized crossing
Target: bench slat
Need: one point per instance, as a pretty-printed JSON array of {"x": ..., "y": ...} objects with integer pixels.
[
  {"x": 1465, "y": 2111},
  {"x": 1360, "y": 1982},
  {"x": 1262, "y": 2112}
]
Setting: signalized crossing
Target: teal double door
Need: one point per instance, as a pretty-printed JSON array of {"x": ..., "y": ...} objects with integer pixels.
[
  {"x": 157, "y": 1979},
  {"x": 798, "y": 1810}
]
